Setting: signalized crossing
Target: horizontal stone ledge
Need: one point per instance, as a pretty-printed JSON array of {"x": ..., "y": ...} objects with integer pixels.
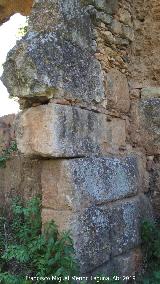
[
  {"x": 67, "y": 131},
  {"x": 76, "y": 184}
]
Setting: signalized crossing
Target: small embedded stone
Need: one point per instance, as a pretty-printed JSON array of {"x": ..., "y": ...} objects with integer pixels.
[
  {"x": 117, "y": 91},
  {"x": 150, "y": 92}
]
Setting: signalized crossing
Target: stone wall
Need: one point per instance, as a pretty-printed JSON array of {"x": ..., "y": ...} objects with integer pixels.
[
  {"x": 20, "y": 176},
  {"x": 145, "y": 91},
  {"x": 90, "y": 117}
]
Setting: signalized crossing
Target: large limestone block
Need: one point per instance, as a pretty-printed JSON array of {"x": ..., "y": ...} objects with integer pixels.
[
  {"x": 67, "y": 17},
  {"x": 117, "y": 90},
  {"x": 63, "y": 131},
  {"x": 126, "y": 222},
  {"x": 47, "y": 65},
  {"x": 90, "y": 231},
  {"x": 79, "y": 183},
  {"x": 149, "y": 125},
  {"x": 102, "y": 232},
  {"x": 91, "y": 234},
  {"x": 83, "y": 195}
]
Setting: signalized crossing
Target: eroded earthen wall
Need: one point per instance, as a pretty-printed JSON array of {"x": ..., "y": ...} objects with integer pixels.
[
  {"x": 19, "y": 175},
  {"x": 90, "y": 99}
]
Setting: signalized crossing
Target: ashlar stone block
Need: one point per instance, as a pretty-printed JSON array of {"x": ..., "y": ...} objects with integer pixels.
[
  {"x": 48, "y": 65},
  {"x": 98, "y": 199},
  {"x": 75, "y": 184},
  {"x": 101, "y": 233},
  {"x": 68, "y": 17},
  {"x": 55, "y": 130}
]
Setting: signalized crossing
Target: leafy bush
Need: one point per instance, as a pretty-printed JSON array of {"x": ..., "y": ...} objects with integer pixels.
[
  {"x": 26, "y": 251},
  {"x": 151, "y": 248},
  {"x": 7, "y": 152}
]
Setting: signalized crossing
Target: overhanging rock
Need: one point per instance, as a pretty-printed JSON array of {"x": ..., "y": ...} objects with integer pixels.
[{"x": 50, "y": 66}]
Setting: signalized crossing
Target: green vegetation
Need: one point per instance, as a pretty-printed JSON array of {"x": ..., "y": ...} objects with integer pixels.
[
  {"x": 22, "y": 31},
  {"x": 7, "y": 152},
  {"x": 151, "y": 248},
  {"x": 26, "y": 251}
]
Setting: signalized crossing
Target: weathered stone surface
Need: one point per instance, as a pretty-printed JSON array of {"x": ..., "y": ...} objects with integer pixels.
[
  {"x": 117, "y": 92},
  {"x": 20, "y": 177},
  {"x": 125, "y": 223},
  {"x": 150, "y": 92},
  {"x": 47, "y": 65},
  {"x": 124, "y": 265},
  {"x": 154, "y": 188},
  {"x": 91, "y": 234},
  {"x": 128, "y": 33},
  {"x": 128, "y": 264},
  {"x": 125, "y": 17},
  {"x": 102, "y": 232},
  {"x": 63, "y": 131},
  {"x": 118, "y": 132},
  {"x": 109, "y": 6},
  {"x": 103, "y": 17},
  {"x": 6, "y": 131},
  {"x": 145, "y": 60},
  {"x": 67, "y": 17},
  {"x": 10, "y": 7},
  {"x": 116, "y": 27},
  {"x": 79, "y": 183},
  {"x": 149, "y": 125}
]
